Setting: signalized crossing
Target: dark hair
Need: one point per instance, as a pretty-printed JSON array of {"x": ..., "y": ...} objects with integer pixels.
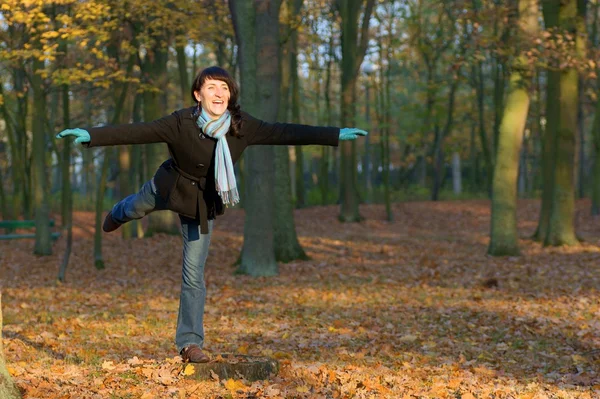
[{"x": 218, "y": 73}]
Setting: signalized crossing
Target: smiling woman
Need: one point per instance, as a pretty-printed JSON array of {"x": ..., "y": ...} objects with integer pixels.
[
  {"x": 198, "y": 180},
  {"x": 214, "y": 97}
]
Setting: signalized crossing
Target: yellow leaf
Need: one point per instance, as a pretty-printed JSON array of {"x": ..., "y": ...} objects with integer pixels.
[
  {"x": 243, "y": 349},
  {"x": 189, "y": 369},
  {"x": 303, "y": 389},
  {"x": 234, "y": 385}
]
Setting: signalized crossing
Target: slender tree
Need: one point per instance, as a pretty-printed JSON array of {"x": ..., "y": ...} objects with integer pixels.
[
  {"x": 355, "y": 38},
  {"x": 43, "y": 243},
  {"x": 67, "y": 193},
  {"x": 286, "y": 245}
]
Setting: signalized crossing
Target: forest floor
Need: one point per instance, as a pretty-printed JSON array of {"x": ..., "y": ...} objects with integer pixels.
[{"x": 410, "y": 309}]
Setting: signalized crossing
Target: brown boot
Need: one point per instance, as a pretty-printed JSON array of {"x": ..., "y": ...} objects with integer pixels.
[
  {"x": 110, "y": 224},
  {"x": 194, "y": 354}
]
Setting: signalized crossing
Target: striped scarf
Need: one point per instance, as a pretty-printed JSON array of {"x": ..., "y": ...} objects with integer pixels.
[{"x": 224, "y": 173}]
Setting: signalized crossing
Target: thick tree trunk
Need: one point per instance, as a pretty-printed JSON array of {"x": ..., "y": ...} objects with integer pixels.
[
  {"x": 596, "y": 125},
  {"x": 258, "y": 24},
  {"x": 8, "y": 390},
  {"x": 596, "y": 172},
  {"x": 550, "y": 11},
  {"x": 561, "y": 229},
  {"x": 503, "y": 237}
]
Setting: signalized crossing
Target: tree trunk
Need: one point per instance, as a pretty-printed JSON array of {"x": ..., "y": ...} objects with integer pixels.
[
  {"x": 43, "y": 242},
  {"x": 581, "y": 46},
  {"x": 325, "y": 152},
  {"x": 67, "y": 194},
  {"x": 596, "y": 172},
  {"x": 596, "y": 124},
  {"x": 485, "y": 146},
  {"x": 137, "y": 167},
  {"x": 22, "y": 164},
  {"x": 155, "y": 68},
  {"x": 286, "y": 245},
  {"x": 87, "y": 156},
  {"x": 386, "y": 73},
  {"x": 503, "y": 236},
  {"x": 456, "y": 174},
  {"x": 257, "y": 32},
  {"x": 184, "y": 80},
  {"x": 8, "y": 390},
  {"x": 561, "y": 229},
  {"x": 353, "y": 52},
  {"x": 550, "y": 10},
  {"x": 295, "y": 105}
]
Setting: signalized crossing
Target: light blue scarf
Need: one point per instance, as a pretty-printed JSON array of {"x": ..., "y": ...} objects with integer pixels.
[{"x": 224, "y": 173}]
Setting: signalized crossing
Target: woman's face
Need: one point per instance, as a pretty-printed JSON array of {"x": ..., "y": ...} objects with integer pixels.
[{"x": 214, "y": 96}]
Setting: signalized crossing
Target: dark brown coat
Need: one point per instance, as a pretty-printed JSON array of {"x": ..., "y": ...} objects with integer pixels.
[{"x": 186, "y": 180}]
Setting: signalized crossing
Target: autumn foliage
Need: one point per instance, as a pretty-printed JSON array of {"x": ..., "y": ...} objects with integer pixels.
[{"x": 413, "y": 309}]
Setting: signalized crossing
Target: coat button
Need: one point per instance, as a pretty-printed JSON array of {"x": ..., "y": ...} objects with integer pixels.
[
  {"x": 200, "y": 165},
  {"x": 193, "y": 183}
]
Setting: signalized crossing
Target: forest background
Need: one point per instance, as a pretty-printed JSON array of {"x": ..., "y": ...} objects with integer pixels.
[{"x": 464, "y": 99}]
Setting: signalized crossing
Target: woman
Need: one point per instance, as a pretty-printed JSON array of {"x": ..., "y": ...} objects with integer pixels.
[{"x": 197, "y": 181}]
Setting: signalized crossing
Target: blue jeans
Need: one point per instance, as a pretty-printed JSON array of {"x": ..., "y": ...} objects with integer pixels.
[{"x": 190, "y": 320}]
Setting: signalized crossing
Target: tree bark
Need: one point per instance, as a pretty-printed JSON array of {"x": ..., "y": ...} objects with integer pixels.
[
  {"x": 257, "y": 28},
  {"x": 155, "y": 70},
  {"x": 503, "y": 236},
  {"x": 353, "y": 53},
  {"x": 43, "y": 242},
  {"x": 67, "y": 194},
  {"x": 561, "y": 229},
  {"x": 286, "y": 245},
  {"x": 596, "y": 124}
]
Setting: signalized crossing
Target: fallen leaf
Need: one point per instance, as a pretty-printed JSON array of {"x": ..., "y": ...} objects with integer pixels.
[{"x": 189, "y": 369}]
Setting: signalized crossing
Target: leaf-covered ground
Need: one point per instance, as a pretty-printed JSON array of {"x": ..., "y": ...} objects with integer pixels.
[{"x": 411, "y": 309}]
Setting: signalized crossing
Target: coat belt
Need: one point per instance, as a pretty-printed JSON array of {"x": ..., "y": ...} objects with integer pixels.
[{"x": 202, "y": 210}]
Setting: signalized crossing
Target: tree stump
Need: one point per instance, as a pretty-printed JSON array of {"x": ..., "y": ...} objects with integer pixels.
[{"x": 227, "y": 366}]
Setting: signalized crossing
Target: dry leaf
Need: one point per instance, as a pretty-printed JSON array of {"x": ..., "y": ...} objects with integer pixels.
[{"x": 189, "y": 369}]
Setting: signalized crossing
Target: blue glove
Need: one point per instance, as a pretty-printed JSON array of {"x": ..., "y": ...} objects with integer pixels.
[
  {"x": 81, "y": 135},
  {"x": 351, "y": 133}
]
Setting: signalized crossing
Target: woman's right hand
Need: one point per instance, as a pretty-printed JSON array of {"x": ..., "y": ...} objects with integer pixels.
[{"x": 81, "y": 135}]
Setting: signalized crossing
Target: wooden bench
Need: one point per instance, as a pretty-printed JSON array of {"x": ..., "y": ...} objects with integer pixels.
[{"x": 22, "y": 224}]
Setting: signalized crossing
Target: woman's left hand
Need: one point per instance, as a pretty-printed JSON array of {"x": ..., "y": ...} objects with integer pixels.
[{"x": 351, "y": 133}]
